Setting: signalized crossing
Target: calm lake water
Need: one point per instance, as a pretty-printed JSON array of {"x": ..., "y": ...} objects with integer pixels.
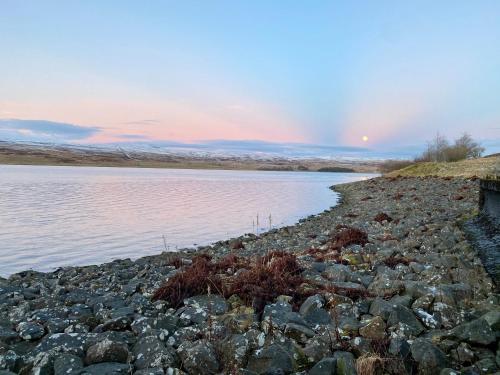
[{"x": 58, "y": 216}]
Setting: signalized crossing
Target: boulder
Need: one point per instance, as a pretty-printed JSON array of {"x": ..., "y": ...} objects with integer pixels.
[
  {"x": 67, "y": 364},
  {"x": 106, "y": 368},
  {"x": 476, "y": 332},
  {"x": 373, "y": 329},
  {"x": 150, "y": 352},
  {"x": 30, "y": 330},
  {"x": 107, "y": 351},
  {"x": 313, "y": 312},
  {"x": 430, "y": 358},
  {"x": 198, "y": 358},
  {"x": 405, "y": 318},
  {"x": 327, "y": 366}
]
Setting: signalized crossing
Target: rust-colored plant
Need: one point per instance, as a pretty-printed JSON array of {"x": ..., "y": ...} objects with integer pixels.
[{"x": 382, "y": 216}]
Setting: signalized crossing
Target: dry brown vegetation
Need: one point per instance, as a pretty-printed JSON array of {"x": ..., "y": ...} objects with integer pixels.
[{"x": 257, "y": 282}]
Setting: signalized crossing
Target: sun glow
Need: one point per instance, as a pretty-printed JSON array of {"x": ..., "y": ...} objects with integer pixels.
[{"x": 365, "y": 138}]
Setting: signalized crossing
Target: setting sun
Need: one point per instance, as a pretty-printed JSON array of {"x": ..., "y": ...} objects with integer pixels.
[{"x": 365, "y": 138}]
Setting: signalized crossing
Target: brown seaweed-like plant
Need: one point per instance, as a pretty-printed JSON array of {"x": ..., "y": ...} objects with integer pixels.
[{"x": 350, "y": 236}]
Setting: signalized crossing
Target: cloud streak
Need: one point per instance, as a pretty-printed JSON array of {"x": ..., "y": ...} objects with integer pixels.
[{"x": 44, "y": 131}]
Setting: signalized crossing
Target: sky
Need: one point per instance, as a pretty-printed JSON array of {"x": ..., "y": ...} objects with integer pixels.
[{"x": 373, "y": 74}]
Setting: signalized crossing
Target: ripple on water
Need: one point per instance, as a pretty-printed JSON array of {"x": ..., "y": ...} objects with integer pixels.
[{"x": 57, "y": 216}]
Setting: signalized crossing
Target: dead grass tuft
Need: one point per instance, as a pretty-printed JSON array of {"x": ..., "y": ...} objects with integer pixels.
[
  {"x": 350, "y": 236},
  {"x": 380, "y": 217},
  {"x": 257, "y": 283},
  {"x": 393, "y": 261},
  {"x": 370, "y": 364}
]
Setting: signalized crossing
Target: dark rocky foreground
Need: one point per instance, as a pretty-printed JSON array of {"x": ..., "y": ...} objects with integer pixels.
[{"x": 384, "y": 283}]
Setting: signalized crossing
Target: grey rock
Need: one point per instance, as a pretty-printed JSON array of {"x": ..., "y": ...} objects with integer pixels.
[
  {"x": 154, "y": 371},
  {"x": 430, "y": 358},
  {"x": 198, "y": 358},
  {"x": 10, "y": 360},
  {"x": 405, "y": 318},
  {"x": 279, "y": 314},
  {"x": 327, "y": 366},
  {"x": 313, "y": 312},
  {"x": 150, "y": 352},
  {"x": 346, "y": 364},
  {"x": 271, "y": 358},
  {"x": 235, "y": 349},
  {"x": 107, "y": 368},
  {"x": 399, "y": 348},
  {"x": 107, "y": 351},
  {"x": 298, "y": 332},
  {"x": 7, "y": 335},
  {"x": 476, "y": 332},
  {"x": 212, "y": 304},
  {"x": 30, "y": 330},
  {"x": 65, "y": 364}
]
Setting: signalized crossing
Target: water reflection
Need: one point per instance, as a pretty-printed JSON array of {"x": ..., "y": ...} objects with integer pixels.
[{"x": 55, "y": 216}]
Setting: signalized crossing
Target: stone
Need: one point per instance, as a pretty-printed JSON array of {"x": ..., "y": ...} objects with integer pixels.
[
  {"x": 150, "y": 352},
  {"x": 212, "y": 304},
  {"x": 198, "y": 358},
  {"x": 327, "y": 366},
  {"x": 380, "y": 307},
  {"x": 7, "y": 335},
  {"x": 313, "y": 312},
  {"x": 106, "y": 368},
  {"x": 107, "y": 351},
  {"x": 373, "y": 329},
  {"x": 404, "y": 317},
  {"x": 346, "y": 364},
  {"x": 278, "y": 315},
  {"x": 67, "y": 364},
  {"x": 476, "y": 332},
  {"x": 298, "y": 332},
  {"x": 399, "y": 348},
  {"x": 463, "y": 353},
  {"x": 430, "y": 358},
  {"x": 158, "y": 371},
  {"x": 493, "y": 319},
  {"x": 235, "y": 349},
  {"x": 30, "y": 330},
  {"x": 72, "y": 343},
  {"x": 272, "y": 357},
  {"x": 10, "y": 360}
]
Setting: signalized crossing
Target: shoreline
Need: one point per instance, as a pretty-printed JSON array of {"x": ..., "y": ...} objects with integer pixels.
[{"x": 415, "y": 280}]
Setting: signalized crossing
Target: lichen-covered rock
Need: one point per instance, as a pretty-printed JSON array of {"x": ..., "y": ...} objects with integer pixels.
[
  {"x": 150, "y": 352},
  {"x": 429, "y": 358},
  {"x": 212, "y": 304},
  {"x": 313, "y": 312},
  {"x": 30, "y": 330},
  {"x": 274, "y": 357},
  {"x": 346, "y": 364},
  {"x": 476, "y": 332},
  {"x": 107, "y": 351},
  {"x": 404, "y": 318},
  {"x": 198, "y": 358},
  {"x": 66, "y": 364},
  {"x": 373, "y": 329},
  {"x": 106, "y": 368},
  {"x": 327, "y": 366}
]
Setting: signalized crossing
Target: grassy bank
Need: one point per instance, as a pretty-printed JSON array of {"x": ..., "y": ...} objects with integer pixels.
[{"x": 480, "y": 167}]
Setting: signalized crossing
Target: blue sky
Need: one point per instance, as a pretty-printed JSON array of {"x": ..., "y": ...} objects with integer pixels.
[{"x": 320, "y": 72}]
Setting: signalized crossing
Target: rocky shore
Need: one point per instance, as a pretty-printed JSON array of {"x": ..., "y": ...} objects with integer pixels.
[{"x": 386, "y": 282}]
